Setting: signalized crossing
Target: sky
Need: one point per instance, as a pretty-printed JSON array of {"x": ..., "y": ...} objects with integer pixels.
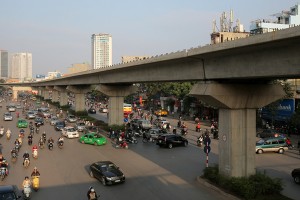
[{"x": 58, "y": 32}]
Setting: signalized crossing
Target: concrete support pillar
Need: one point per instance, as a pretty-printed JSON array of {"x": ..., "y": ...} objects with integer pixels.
[
  {"x": 46, "y": 94},
  {"x": 63, "y": 95},
  {"x": 79, "y": 92},
  {"x": 15, "y": 94},
  {"x": 237, "y": 105},
  {"x": 55, "y": 96},
  {"x": 116, "y": 95}
]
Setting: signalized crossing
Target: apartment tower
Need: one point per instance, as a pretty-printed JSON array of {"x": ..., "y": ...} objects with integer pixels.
[
  {"x": 21, "y": 66},
  {"x": 101, "y": 50}
]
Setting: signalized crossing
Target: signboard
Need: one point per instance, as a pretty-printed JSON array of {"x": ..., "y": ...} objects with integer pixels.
[
  {"x": 284, "y": 111},
  {"x": 125, "y": 120}
]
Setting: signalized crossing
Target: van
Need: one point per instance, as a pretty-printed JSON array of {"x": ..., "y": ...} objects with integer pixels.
[{"x": 275, "y": 144}]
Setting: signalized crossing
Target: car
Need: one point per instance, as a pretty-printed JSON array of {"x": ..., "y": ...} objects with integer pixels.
[
  {"x": 71, "y": 118},
  {"x": 144, "y": 124},
  {"x": 70, "y": 132},
  {"x": 59, "y": 125},
  {"x": 161, "y": 112},
  {"x": 11, "y": 108},
  {"x": 39, "y": 121},
  {"x": 9, "y": 192},
  {"x": 33, "y": 98},
  {"x": 296, "y": 175},
  {"x": 103, "y": 110},
  {"x": 53, "y": 120},
  {"x": 7, "y": 116},
  {"x": 92, "y": 111},
  {"x": 269, "y": 133},
  {"x": 275, "y": 144},
  {"x": 171, "y": 140},
  {"x": 44, "y": 112},
  {"x": 106, "y": 172},
  {"x": 93, "y": 138},
  {"x": 22, "y": 123},
  {"x": 80, "y": 126},
  {"x": 30, "y": 115},
  {"x": 154, "y": 133}
]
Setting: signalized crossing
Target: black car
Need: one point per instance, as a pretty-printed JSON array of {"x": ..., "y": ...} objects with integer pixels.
[
  {"x": 39, "y": 121},
  {"x": 106, "y": 172},
  {"x": 171, "y": 140},
  {"x": 296, "y": 175},
  {"x": 92, "y": 111},
  {"x": 268, "y": 133},
  {"x": 9, "y": 192},
  {"x": 59, "y": 125}
]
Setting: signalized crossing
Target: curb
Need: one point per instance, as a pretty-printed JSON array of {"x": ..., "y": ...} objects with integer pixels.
[{"x": 209, "y": 185}]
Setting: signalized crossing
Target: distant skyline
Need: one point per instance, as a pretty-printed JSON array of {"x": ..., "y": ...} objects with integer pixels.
[{"x": 58, "y": 33}]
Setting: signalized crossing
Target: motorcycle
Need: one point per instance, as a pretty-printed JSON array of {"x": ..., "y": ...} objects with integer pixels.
[
  {"x": 184, "y": 131},
  {"x": 26, "y": 192},
  {"x": 8, "y": 135},
  {"x": 14, "y": 157},
  {"x": 36, "y": 182},
  {"x": 37, "y": 130},
  {"x": 41, "y": 144},
  {"x": 215, "y": 133},
  {"x": 198, "y": 129},
  {"x": 200, "y": 141},
  {"x": 22, "y": 133},
  {"x": 2, "y": 173},
  {"x": 131, "y": 139},
  {"x": 26, "y": 163},
  {"x": 50, "y": 146},
  {"x": 122, "y": 144},
  {"x": 35, "y": 154},
  {"x": 29, "y": 141},
  {"x": 60, "y": 144},
  {"x": 1, "y": 132},
  {"x": 17, "y": 147}
]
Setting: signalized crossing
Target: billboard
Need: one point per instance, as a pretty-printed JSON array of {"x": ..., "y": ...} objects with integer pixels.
[{"x": 285, "y": 110}]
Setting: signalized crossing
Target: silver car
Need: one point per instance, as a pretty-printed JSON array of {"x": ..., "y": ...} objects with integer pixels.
[
  {"x": 30, "y": 115},
  {"x": 7, "y": 116},
  {"x": 80, "y": 126},
  {"x": 53, "y": 120}
]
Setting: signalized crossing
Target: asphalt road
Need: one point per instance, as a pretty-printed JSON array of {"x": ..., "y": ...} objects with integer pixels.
[{"x": 151, "y": 172}]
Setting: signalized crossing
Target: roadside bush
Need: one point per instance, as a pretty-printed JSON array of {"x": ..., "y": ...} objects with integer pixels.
[
  {"x": 65, "y": 107},
  {"x": 246, "y": 187}
]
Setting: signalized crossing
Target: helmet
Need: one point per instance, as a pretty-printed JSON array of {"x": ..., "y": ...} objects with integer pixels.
[
  {"x": 34, "y": 168},
  {"x": 92, "y": 190},
  {"x": 26, "y": 177}
]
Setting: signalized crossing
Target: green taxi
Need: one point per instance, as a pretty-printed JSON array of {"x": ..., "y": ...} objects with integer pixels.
[
  {"x": 93, "y": 138},
  {"x": 22, "y": 123}
]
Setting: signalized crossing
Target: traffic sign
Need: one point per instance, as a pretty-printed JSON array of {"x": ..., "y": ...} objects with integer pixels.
[
  {"x": 125, "y": 120},
  {"x": 206, "y": 149},
  {"x": 206, "y": 141}
]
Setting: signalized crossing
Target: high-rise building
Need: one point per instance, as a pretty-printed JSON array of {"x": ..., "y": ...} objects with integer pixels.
[
  {"x": 3, "y": 64},
  {"x": 101, "y": 50},
  {"x": 21, "y": 66}
]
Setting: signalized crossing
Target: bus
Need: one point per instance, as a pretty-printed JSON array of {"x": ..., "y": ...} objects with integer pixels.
[{"x": 127, "y": 108}]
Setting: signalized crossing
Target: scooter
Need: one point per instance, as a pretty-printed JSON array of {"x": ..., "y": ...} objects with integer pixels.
[
  {"x": 29, "y": 141},
  {"x": 26, "y": 192},
  {"x": 17, "y": 147},
  {"x": 26, "y": 162},
  {"x": 131, "y": 139},
  {"x": 14, "y": 157},
  {"x": 122, "y": 144},
  {"x": 41, "y": 144},
  {"x": 200, "y": 141},
  {"x": 35, "y": 154},
  {"x": 2, "y": 173},
  {"x": 36, "y": 182},
  {"x": 198, "y": 129},
  {"x": 1, "y": 132},
  {"x": 50, "y": 146},
  {"x": 8, "y": 135},
  {"x": 60, "y": 144}
]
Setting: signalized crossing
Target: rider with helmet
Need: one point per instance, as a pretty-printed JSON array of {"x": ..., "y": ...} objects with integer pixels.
[
  {"x": 14, "y": 151},
  {"x": 26, "y": 182},
  {"x": 25, "y": 156},
  {"x": 35, "y": 172}
]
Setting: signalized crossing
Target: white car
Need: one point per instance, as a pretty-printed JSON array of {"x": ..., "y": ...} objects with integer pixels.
[
  {"x": 7, "y": 116},
  {"x": 70, "y": 132},
  {"x": 11, "y": 108},
  {"x": 80, "y": 126},
  {"x": 71, "y": 118}
]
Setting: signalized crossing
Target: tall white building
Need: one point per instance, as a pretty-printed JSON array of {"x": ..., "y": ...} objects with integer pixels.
[
  {"x": 3, "y": 63},
  {"x": 21, "y": 66},
  {"x": 101, "y": 50}
]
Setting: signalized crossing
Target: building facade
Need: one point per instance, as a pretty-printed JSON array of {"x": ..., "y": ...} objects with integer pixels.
[
  {"x": 101, "y": 50},
  {"x": 285, "y": 19},
  {"x": 78, "y": 67},
  {"x": 3, "y": 64},
  {"x": 21, "y": 66}
]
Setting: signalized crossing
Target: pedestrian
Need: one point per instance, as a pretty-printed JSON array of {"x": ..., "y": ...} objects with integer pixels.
[{"x": 91, "y": 194}]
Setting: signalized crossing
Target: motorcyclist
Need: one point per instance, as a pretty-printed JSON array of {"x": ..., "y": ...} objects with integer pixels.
[
  {"x": 25, "y": 156},
  {"x": 198, "y": 127},
  {"x": 37, "y": 129},
  {"x": 60, "y": 141},
  {"x": 50, "y": 140},
  {"x": 26, "y": 182},
  {"x": 21, "y": 133},
  {"x": 4, "y": 164},
  {"x": 44, "y": 136},
  {"x": 35, "y": 172},
  {"x": 17, "y": 142},
  {"x": 8, "y": 131},
  {"x": 14, "y": 151},
  {"x": 91, "y": 194},
  {"x": 30, "y": 139},
  {"x": 34, "y": 148}
]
